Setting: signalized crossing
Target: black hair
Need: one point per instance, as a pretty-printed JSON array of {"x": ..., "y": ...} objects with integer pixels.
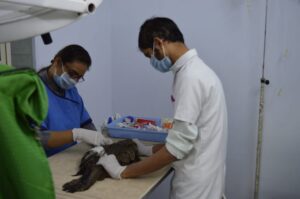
[
  {"x": 161, "y": 27},
  {"x": 73, "y": 53}
]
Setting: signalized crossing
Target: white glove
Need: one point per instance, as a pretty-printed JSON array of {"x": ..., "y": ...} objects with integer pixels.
[
  {"x": 111, "y": 165},
  {"x": 145, "y": 150},
  {"x": 91, "y": 137},
  {"x": 98, "y": 149}
]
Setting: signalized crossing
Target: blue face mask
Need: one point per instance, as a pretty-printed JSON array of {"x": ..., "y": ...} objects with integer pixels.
[
  {"x": 64, "y": 81},
  {"x": 162, "y": 65}
]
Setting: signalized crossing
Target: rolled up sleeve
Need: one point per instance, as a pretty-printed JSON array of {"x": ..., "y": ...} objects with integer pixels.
[{"x": 180, "y": 139}]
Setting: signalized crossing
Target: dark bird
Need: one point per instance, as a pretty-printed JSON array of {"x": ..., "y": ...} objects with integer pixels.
[{"x": 126, "y": 153}]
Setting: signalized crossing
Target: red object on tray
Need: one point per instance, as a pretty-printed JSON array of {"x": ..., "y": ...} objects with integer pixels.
[{"x": 144, "y": 121}]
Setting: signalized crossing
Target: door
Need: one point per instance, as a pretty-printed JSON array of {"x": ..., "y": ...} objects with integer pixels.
[{"x": 280, "y": 168}]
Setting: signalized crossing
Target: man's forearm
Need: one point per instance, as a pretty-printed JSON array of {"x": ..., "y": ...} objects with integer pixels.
[
  {"x": 155, "y": 162},
  {"x": 157, "y": 147}
]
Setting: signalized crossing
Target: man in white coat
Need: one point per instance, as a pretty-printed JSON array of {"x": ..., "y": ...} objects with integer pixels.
[{"x": 196, "y": 145}]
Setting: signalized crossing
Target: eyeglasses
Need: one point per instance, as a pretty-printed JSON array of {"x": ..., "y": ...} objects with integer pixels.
[{"x": 73, "y": 74}]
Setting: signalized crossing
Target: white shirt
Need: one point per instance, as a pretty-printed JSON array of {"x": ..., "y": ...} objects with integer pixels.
[{"x": 199, "y": 136}]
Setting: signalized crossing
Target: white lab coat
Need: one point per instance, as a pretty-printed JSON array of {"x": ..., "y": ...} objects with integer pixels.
[{"x": 201, "y": 148}]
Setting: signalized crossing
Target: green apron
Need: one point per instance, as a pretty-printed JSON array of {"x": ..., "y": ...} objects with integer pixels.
[{"x": 24, "y": 169}]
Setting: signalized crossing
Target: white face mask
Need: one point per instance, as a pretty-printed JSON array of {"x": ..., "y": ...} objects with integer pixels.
[
  {"x": 64, "y": 81},
  {"x": 162, "y": 65}
]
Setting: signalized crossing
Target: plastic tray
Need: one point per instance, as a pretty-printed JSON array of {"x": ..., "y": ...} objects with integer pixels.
[{"x": 146, "y": 135}]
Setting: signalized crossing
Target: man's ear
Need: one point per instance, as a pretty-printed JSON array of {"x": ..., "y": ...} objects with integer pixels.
[{"x": 158, "y": 42}]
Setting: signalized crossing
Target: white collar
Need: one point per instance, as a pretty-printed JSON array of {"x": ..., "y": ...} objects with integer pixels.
[{"x": 183, "y": 59}]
